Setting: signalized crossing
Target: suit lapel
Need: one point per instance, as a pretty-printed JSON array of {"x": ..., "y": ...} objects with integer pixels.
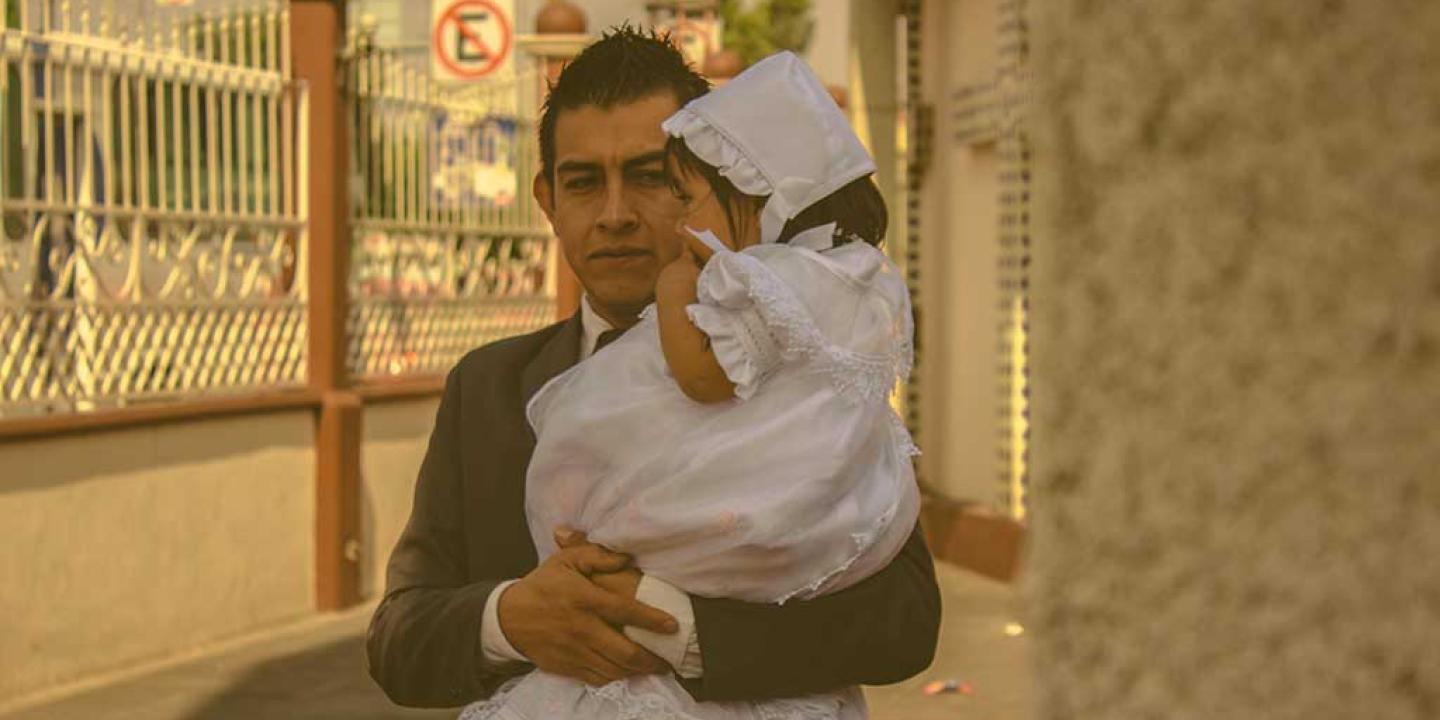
[{"x": 560, "y": 352}]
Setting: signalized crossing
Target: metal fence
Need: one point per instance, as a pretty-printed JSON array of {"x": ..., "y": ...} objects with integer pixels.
[
  {"x": 153, "y": 240},
  {"x": 450, "y": 252}
]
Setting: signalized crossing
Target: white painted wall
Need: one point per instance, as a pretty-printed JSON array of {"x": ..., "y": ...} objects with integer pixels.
[
  {"x": 131, "y": 545},
  {"x": 959, "y": 285},
  {"x": 829, "y": 49},
  {"x": 394, "y": 441}
]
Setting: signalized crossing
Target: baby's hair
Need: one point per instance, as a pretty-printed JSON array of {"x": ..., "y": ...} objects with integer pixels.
[
  {"x": 857, "y": 209},
  {"x": 730, "y": 197}
]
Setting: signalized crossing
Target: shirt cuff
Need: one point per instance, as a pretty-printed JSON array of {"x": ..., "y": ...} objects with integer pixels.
[
  {"x": 493, "y": 643},
  {"x": 681, "y": 649}
]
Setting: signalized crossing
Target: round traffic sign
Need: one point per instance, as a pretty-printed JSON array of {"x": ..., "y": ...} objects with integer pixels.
[{"x": 462, "y": 47}]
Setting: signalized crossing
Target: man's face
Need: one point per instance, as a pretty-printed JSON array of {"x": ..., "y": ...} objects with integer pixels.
[{"x": 610, "y": 203}]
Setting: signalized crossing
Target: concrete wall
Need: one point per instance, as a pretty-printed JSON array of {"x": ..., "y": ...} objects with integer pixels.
[
  {"x": 830, "y": 47},
  {"x": 131, "y": 545},
  {"x": 1237, "y": 386},
  {"x": 394, "y": 440},
  {"x": 874, "y": 88}
]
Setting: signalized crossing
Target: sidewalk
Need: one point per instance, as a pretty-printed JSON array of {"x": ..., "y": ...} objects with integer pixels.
[{"x": 318, "y": 671}]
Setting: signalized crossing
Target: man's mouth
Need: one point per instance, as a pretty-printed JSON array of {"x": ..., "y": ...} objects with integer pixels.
[{"x": 621, "y": 255}]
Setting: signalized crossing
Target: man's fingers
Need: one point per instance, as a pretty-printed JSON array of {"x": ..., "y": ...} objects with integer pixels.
[
  {"x": 626, "y": 653},
  {"x": 567, "y": 537},
  {"x": 621, "y": 611},
  {"x": 589, "y": 559},
  {"x": 601, "y": 667},
  {"x": 590, "y": 677},
  {"x": 621, "y": 651}
]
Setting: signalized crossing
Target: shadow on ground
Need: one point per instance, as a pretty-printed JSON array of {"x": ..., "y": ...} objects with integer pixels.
[
  {"x": 316, "y": 670},
  {"x": 328, "y": 682}
]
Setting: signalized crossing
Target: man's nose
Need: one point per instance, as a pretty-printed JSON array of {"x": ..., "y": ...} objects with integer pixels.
[{"x": 618, "y": 215}]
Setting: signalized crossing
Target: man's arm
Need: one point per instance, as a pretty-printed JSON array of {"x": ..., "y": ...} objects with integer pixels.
[
  {"x": 424, "y": 640},
  {"x": 425, "y": 644},
  {"x": 881, "y": 630}
]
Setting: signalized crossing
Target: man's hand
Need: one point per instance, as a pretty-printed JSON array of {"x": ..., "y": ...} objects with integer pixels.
[
  {"x": 624, "y": 582},
  {"x": 564, "y": 616}
]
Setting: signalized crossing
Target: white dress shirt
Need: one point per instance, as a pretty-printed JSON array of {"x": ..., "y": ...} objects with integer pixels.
[{"x": 681, "y": 649}]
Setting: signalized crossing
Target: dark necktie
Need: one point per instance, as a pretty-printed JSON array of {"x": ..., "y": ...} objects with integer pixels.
[{"x": 606, "y": 338}]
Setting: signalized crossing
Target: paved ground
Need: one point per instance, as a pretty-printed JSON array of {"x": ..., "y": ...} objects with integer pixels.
[
  {"x": 975, "y": 649},
  {"x": 317, "y": 670}
]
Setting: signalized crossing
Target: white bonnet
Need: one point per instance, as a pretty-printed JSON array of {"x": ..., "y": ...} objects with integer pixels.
[{"x": 774, "y": 130}]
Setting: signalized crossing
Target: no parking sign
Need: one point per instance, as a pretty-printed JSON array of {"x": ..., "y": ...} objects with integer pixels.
[{"x": 472, "y": 39}]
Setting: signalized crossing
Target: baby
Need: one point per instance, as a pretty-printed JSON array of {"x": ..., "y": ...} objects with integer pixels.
[{"x": 738, "y": 441}]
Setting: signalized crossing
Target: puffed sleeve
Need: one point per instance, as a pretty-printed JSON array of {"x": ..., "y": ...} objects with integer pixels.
[
  {"x": 727, "y": 311},
  {"x": 845, "y": 314}
]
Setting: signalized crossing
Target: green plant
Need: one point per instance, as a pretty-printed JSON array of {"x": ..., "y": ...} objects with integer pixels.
[{"x": 768, "y": 27}]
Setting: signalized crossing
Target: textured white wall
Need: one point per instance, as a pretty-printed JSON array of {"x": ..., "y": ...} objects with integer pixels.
[
  {"x": 1237, "y": 385},
  {"x": 132, "y": 545}
]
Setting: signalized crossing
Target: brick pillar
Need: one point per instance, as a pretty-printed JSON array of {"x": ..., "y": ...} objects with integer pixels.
[{"x": 317, "y": 30}]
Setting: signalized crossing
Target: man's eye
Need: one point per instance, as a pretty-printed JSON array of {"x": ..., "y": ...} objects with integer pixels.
[
  {"x": 651, "y": 178},
  {"x": 580, "y": 184}
]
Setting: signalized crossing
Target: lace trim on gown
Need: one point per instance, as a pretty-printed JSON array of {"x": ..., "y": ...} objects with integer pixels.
[
  {"x": 653, "y": 706},
  {"x": 866, "y": 377},
  {"x": 742, "y": 343}
]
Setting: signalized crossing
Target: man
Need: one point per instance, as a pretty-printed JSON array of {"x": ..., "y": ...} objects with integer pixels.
[{"x": 466, "y": 604}]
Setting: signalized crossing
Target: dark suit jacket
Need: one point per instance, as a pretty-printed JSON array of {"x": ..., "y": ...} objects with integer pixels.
[{"x": 467, "y": 532}]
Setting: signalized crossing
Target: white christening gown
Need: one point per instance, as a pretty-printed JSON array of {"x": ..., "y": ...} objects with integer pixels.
[{"x": 801, "y": 486}]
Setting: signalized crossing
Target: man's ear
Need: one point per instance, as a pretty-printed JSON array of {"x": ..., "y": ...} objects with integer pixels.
[{"x": 544, "y": 192}]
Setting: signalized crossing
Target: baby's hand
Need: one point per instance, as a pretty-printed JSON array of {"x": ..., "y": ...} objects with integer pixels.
[
  {"x": 697, "y": 250},
  {"x": 702, "y": 244}
]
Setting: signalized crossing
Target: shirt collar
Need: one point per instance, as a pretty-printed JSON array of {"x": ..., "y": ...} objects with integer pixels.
[{"x": 591, "y": 325}]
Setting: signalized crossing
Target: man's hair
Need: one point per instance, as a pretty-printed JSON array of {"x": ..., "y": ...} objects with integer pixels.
[{"x": 626, "y": 64}]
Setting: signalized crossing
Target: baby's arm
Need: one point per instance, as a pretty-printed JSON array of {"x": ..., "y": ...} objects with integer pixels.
[{"x": 687, "y": 348}]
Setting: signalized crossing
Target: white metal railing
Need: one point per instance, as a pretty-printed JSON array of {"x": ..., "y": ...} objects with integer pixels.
[
  {"x": 151, "y": 171},
  {"x": 450, "y": 251}
]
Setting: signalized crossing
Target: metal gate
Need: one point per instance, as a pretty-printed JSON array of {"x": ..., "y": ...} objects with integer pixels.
[
  {"x": 153, "y": 242},
  {"x": 449, "y": 250}
]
